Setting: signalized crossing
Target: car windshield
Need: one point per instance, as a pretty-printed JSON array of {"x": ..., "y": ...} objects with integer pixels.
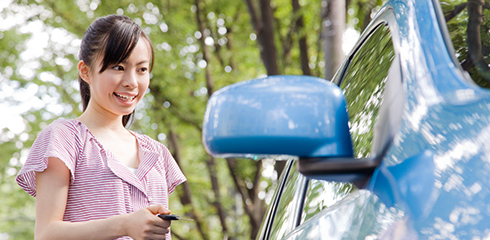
[{"x": 468, "y": 23}]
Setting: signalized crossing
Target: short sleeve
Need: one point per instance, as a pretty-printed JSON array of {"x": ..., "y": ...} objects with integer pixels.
[
  {"x": 59, "y": 140},
  {"x": 173, "y": 172}
]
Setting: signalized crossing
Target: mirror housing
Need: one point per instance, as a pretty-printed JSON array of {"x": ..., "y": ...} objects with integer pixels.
[{"x": 299, "y": 116}]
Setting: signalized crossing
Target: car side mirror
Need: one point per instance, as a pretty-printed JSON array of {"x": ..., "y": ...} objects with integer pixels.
[{"x": 299, "y": 116}]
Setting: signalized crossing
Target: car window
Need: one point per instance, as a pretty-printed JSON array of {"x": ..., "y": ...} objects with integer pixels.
[
  {"x": 289, "y": 205},
  {"x": 363, "y": 85},
  {"x": 271, "y": 211},
  {"x": 469, "y": 32},
  {"x": 322, "y": 194}
]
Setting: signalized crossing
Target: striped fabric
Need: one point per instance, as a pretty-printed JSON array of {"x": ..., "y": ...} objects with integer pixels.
[{"x": 100, "y": 186}]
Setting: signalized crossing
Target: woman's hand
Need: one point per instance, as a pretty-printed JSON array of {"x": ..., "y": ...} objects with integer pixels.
[
  {"x": 52, "y": 190},
  {"x": 144, "y": 224}
]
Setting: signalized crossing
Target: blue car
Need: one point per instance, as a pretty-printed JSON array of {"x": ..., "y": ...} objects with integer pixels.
[{"x": 395, "y": 146}]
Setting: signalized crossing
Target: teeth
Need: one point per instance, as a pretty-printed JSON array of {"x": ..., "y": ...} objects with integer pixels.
[{"x": 125, "y": 98}]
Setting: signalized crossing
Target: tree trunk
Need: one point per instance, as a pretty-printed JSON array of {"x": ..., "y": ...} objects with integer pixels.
[
  {"x": 255, "y": 210},
  {"x": 475, "y": 18},
  {"x": 264, "y": 28},
  {"x": 333, "y": 24},
  {"x": 205, "y": 50},
  {"x": 303, "y": 45},
  {"x": 211, "y": 163},
  {"x": 265, "y": 36},
  {"x": 186, "y": 197}
]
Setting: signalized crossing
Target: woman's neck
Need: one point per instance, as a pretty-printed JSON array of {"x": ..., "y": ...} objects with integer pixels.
[
  {"x": 113, "y": 136},
  {"x": 101, "y": 122}
]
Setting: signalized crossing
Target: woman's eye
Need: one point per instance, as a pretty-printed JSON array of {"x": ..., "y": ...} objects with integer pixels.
[
  {"x": 143, "y": 70},
  {"x": 118, "y": 68}
]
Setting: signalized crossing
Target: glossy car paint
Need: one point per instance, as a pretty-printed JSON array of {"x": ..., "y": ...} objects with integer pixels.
[
  {"x": 433, "y": 182},
  {"x": 300, "y": 116}
]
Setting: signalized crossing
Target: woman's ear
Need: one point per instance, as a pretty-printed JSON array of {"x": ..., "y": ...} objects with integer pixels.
[{"x": 83, "y": 71}]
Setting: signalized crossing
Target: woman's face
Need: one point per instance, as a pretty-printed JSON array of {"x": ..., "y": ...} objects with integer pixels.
[{"x": 120, "y": 87}]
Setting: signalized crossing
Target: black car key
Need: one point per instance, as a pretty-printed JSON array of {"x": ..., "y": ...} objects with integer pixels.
[{"x": 171, "y": 217}]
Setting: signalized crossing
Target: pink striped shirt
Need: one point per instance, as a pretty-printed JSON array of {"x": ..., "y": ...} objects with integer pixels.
[{"x": 100, "y": 186}]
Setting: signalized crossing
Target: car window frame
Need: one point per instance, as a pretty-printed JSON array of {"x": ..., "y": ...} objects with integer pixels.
[
  {"x": 448, "y": 43},
  {"x": 268, "y": 221},
  {"x": 384, "y": 17},
  {"x": 298, "y": 199}
]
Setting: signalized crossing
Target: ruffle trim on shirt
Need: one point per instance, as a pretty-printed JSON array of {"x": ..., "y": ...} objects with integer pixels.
[
  {"x": 48, "y": 144},
  {"x": 179, "y": 181},
  {"x": 27, "y": 177}
]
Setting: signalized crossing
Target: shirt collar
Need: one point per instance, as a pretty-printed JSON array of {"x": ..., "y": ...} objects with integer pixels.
[{"x": 148, "y": 157}]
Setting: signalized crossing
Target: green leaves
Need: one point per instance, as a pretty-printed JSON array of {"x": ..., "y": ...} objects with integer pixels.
[{"x": 39, "y": 41}]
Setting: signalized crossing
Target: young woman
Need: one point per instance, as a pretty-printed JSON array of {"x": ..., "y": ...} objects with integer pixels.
[{"x": 93, "y": 178}]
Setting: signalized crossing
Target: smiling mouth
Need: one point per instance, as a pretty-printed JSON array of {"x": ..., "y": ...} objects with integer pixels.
[{"x": 125, "y": 98}]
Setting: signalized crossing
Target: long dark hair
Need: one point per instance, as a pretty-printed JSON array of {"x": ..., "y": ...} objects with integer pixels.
[{"x": 113, "y": 37}]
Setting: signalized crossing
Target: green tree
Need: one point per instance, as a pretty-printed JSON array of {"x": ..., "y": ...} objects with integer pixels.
[
  {"x": 467, "y": 22},
  {"x": 201, "y": 46}
]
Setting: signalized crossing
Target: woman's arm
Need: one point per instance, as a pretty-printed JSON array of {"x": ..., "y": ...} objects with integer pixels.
[{"x": 51, "y": 196}]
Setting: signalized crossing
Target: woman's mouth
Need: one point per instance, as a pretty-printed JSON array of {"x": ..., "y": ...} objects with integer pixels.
[{"x": 125, "y": 98}]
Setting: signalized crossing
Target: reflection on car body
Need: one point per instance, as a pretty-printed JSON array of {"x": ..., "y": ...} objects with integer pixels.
[{"x": 395, "y": 146}]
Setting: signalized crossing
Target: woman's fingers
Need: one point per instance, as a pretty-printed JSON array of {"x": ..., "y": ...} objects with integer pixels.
[
  {"x": 145, "y": 224},
  {"x": 158, "y": 209}
]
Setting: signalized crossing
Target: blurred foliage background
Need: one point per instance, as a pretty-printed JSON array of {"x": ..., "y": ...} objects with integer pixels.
[{"x": 201, "y": 46}]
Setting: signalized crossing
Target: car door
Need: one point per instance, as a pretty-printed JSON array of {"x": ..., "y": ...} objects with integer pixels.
[
  {"x": 286, "y": 206},
  {"x": 372, "y": 84}
]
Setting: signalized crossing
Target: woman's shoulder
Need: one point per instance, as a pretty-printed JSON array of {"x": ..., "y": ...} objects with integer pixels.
[
  {"x": 65, "y": 128},
  {"x": 62, "y": 124}
]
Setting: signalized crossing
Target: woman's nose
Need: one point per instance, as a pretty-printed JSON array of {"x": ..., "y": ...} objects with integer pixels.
[{"x": 130, "y": 80}]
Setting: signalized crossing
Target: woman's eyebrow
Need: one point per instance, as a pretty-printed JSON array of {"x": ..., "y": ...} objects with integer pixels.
[{"x": 138, "y": 63}]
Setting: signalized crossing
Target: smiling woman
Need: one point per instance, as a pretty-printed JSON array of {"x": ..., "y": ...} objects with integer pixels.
[
  {"x": 118, "y": 88},
  {"x": 92, "y": 177},
  {"x": 122, "y": 38}
]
